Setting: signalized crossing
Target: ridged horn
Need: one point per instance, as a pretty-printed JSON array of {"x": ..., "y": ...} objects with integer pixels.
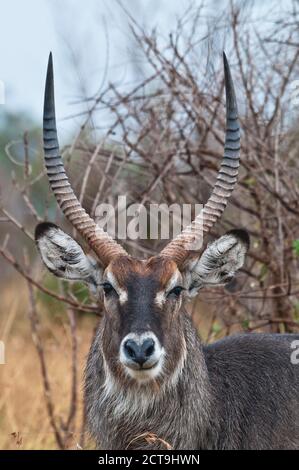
[
  {"x": 102, "y": 244},
  {"x": 180, "y": 247}
]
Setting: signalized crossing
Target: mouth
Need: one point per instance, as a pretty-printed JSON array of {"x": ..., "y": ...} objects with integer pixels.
[
  {"x": 141, "y": 356},
  {"x": 144, "y": 373},
  {"x": 143, "y": 368}
]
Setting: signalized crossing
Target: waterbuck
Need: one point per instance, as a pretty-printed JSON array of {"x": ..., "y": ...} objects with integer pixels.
[{"x": 148, "y": 372}]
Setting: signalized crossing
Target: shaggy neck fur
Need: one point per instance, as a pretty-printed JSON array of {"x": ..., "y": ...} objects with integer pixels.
[{"x": 141, "y": 409}]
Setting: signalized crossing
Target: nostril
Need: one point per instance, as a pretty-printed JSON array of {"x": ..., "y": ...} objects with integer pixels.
[
  {"x": 131, "y": 348},
  {"x": 149, "y": 351},
  {"x": 131, "y": 351},
  {"x": 148, "y": 347}
]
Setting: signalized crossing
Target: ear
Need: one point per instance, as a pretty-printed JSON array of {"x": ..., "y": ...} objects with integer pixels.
[
  {"x": 64, "y": 257},
  {"x": 218, "y": 263}
]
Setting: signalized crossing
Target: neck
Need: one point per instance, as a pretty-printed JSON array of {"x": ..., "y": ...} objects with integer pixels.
[{"x": 185, "y": 398}]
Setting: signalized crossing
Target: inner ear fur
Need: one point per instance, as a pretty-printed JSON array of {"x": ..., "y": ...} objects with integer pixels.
[
  {"x": 64, "y": 257},
  {"x": 218, "y": 263}
]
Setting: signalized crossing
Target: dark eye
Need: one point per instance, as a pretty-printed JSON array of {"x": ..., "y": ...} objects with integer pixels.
[
  {"x": 226, "y": 276},
  {"x": 224, "y": 273},
  {"x": 108, "y": 288},
  {"x": 175, "y": 291}
]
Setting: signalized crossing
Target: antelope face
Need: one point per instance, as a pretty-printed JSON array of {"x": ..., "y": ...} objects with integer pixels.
[{"x": 142, "y": 329}]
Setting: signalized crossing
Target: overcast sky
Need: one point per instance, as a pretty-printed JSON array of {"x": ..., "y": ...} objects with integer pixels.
[{"x": 94, "y": 31}]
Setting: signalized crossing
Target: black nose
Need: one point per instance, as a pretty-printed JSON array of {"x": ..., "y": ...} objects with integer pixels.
[{"x": 139, "y": 353}]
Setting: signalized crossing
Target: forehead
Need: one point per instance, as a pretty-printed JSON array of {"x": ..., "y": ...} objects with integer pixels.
[{"x": 129, "y": 272}]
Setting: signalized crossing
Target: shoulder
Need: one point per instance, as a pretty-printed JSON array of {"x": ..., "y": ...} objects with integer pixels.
[{"x": 252, "y": 350}]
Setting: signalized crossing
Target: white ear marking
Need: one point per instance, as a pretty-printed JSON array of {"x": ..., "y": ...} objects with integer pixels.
[
  {"x": 218, "y": 263},
  {"x": 64, "y": 257}
]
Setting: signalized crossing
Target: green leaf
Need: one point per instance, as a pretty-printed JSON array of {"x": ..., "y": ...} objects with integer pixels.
[
  {"x": 249, "y": 181},
  {"x": 296, "y": 311},
  {"x": 216, "y": 328},
  {"x": 245, "y": 324},
  {"x": 295, "y": 245},
  {"x": 80, "y": 291},
  {"x": 263, "y": 272}
]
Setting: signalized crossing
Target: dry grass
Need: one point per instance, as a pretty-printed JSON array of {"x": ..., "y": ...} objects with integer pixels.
[{"x": 24, "y": 422}]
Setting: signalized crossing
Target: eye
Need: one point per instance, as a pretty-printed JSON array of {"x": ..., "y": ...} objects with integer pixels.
[
  {"x": 226, "y": 275},
  {"x": 108, "y": 288},
  {"x": 176, "y": 291}
]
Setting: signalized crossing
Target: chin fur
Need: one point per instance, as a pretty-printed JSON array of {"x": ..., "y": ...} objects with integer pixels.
[{"x": 145, "y": 375}]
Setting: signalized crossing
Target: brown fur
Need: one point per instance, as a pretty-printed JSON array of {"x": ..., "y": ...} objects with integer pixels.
[
  {"x": 159, "y": 267},
  {"x": 152, "y": 275}
]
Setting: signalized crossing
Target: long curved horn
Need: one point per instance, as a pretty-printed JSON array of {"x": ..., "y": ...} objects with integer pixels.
[
  {"x": 101, "y": 243},
  {"x": 179, "y": 248}
]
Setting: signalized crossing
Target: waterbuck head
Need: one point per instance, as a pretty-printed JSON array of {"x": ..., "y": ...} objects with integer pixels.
[{"x": 142, "y": 337}]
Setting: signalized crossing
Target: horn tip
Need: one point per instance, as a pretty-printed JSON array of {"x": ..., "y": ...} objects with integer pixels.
[
  {"x": 229, "y": 86},
  {"x": 226, "y": 68},
  {"x": 50, "y": 63},
  {"x": 225, "y": 63},
  {"x": 49, "y": 87}
]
